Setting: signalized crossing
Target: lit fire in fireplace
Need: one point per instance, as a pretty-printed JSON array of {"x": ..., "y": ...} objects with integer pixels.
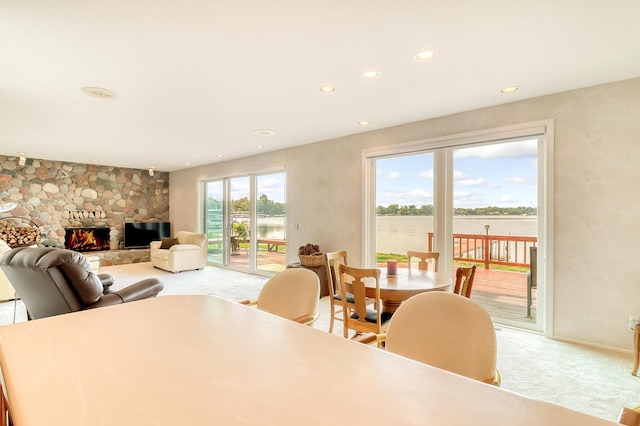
[{"x": 87, "y": 239}]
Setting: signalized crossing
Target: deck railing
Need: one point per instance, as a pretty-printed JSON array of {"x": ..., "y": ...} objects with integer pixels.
[{"x": 504, "y": 250}]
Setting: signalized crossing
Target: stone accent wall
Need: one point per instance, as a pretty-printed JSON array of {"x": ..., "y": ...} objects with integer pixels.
[{"x": 57, "y": 195}]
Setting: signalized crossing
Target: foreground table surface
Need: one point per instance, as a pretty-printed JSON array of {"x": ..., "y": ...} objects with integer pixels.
[{"x": 201, "y": 360}]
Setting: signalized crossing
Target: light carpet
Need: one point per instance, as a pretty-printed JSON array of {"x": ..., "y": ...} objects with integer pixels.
[{"x": 587, "y": 379}]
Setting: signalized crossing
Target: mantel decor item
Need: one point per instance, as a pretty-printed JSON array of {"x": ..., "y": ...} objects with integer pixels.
[{"x": 7, "y": 207}]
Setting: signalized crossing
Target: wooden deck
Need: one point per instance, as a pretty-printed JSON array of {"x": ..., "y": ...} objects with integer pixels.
[{"x": 503, "y": 294}]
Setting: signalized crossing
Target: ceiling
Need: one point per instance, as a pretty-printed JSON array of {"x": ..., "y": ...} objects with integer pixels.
[{"x": 194, "y": 79}]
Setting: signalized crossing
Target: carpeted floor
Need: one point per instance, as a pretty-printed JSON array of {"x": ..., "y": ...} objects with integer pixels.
[{"x": 586, "y": 379}]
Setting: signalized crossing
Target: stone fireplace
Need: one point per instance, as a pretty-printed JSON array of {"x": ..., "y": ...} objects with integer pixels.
[{"x": 87, "y": 239}]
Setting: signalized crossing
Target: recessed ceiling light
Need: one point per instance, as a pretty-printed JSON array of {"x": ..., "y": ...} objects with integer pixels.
[
  {"x": 219, "y": 156},
  {"x": 22, "y": 154},
  {"x": 371, "y": 74},
  {"x": 259, "y": 146},
  {"x": 510, "y": 89},
  {"x": 264, "y": 132},
  {"x": 363, "y": 123},
  {"x": 327, "y": 89},
  {"x": 94, "y": 161},
  {"x": 99, "y": 92},
  {"x": 424, "y": 56}
]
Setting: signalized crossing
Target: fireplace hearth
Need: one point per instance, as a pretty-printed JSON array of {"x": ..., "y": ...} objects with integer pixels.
[{"x": 87, "y": 239}]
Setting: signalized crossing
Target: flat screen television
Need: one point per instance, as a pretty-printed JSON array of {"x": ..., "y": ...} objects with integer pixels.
[{"x": 140, "y": 234}]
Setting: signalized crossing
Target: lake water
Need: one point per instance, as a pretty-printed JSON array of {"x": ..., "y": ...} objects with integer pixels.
[{"x": 397, "y": 234}]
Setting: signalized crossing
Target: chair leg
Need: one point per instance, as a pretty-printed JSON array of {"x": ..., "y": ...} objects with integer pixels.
[
  {"x": 333, "y": 315},
  {"x": 636, "y": 349}
]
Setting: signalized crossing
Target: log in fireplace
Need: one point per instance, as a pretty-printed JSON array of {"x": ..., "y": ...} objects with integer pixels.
[{"x": 87, "y": 239}]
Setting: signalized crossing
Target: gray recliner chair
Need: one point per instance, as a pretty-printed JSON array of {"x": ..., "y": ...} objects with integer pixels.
[{"x": 54, "y": 281}]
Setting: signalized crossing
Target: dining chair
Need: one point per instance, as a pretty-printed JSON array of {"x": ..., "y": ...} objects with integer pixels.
[
  {"x": 464, "y": 280},
  {"x": 444, "y": 330},
  {"x": 293, "y": 294},
  {"x": 361, "y": 318},
  {"x": 333, "y": 260},
  {"x": 426, "y": 258}
]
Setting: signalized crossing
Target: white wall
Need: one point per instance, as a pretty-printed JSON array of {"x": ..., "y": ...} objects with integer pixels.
[{"x": 597, "y": 174}]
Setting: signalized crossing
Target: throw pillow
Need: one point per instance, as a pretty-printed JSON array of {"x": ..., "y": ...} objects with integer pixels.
[{"x": 168, "y": 242}]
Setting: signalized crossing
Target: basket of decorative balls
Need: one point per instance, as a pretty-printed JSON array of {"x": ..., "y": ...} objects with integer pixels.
[{"x": 310, "y": 255}]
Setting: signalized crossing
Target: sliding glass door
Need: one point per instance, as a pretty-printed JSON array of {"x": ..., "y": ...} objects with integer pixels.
[
  {"x": 245, "y": 220},
  {"x": 495, "y": 224},
  {"x": 474, "y": 203}
]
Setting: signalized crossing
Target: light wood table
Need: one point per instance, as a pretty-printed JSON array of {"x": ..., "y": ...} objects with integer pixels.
[
  {"x": 395, "y": 289},
  {"x": 202, "y": 360}
]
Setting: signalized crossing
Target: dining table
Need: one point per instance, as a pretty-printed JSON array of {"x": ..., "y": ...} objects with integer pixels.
[
  {"x": 204, "y": 360},
  {"x": 395, "y": 289}
]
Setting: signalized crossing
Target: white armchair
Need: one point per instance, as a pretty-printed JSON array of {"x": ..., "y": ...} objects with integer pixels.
[{"x": 188, "y": 250}]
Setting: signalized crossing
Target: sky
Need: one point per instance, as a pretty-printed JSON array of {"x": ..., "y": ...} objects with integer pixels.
[
  {"x": 272, "y": 185},
  {"x": 503, "y": 175}
]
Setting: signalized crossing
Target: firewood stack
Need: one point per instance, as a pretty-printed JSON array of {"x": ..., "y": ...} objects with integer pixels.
[{"x": 19, "y": 236}]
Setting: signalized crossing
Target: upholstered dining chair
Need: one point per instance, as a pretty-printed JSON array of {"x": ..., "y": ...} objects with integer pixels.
[
  {"x": 444, "y": 330},
  {"x": 464, "y": 280},
  {"x": 361, "y": 318},
  {"x": 293, "y": 294},
  {"x": 333, "y": 260},
  {"x": 55, "y": 281},
  {"x": 426, "y": 258}
]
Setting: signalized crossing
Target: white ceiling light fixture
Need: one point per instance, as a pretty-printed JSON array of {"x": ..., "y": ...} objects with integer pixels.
[
  {"x": 371, "y": 75},
  {"x": 363, "y": 123},
  {"x": 424, "y": 56},
  {"x": 264, "y": 132},
  {"x": 327, "y": 89},
  {"x": 259, "y": 146},
  {"x": 510, "y": 89},
  {"x": 99, "y": 92}
]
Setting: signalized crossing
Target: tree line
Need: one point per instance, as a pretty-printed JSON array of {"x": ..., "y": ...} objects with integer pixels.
[
  {"x": 427, "y": 210},
  {"x": 263, "y": 205}
]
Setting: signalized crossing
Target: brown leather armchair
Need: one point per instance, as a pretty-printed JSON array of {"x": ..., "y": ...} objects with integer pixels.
[{"x": 54, "y": 281}]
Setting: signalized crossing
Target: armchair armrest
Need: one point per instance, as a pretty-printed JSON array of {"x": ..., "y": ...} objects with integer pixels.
[
  {"x": 184, "y": 247},
  {"x": 307, "y": 319},
  {"x": 107, "y": 281},
  {"x": 367, "y": 338},
  {"x": 154, "y": 245},
  {"x": 149, "y": 287},
  {"x": 248, "y": 302}
]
